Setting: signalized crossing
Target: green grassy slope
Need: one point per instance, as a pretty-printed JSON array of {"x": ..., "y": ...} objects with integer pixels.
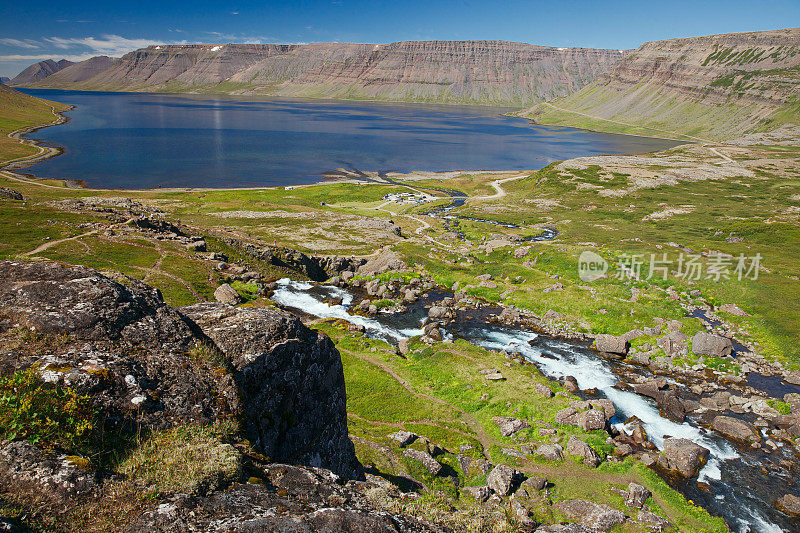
[{"x": 19, "y": 111}]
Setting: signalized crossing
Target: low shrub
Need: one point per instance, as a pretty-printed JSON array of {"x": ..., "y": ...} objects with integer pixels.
[{"x": 44, "y": 414}]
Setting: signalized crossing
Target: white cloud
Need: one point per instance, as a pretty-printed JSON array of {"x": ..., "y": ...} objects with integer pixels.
[
  {"x": 108, "y": 45},
  {"x": 27, "y": 43},
  {"x": 42, "y": 57}
]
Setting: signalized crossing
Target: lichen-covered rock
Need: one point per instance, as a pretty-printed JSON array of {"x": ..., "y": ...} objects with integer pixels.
[
  {"x": 481, "y": 493},
  {"x": 637, "y": 495},
  {"x": 611, "y": 344},
  {"x": 789, "y": 504},
  {"x": 551, "y": 452},
  {"x": 591, "y": 420},
  {"x": 501, "y": 480},
  {"x": 50, "y": 479},
  {"x": 704, "y": 343},
  {"x": 123, "y": 346},
  {"x": 291, "y": 382},
  {"x": 293, "y": 499},
  {"x": 425, "y": 458},
  {"x": 89, "y": 305},
  {"x": 594, "y": 516},
  {"x": 226, "y": 294},
  {"x": 683, "y": 457},
  {"x": 652, "y": 521},
  {"x": 579, "y": 448},
  {"x": 145, "y": 363},
  {"x": 736, "y": 429}
]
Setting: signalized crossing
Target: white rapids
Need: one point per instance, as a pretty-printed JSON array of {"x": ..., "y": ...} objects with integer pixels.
[{"x": 561, "y": 361}]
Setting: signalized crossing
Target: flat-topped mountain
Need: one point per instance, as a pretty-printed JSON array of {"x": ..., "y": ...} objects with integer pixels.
[
  {"x": 487, "y": 72},
  {"x": 717, "y": 86},
  {"x": 39, "y": 71}
]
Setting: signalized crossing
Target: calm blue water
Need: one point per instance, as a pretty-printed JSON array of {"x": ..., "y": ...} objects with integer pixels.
[{"x": 132, "y": 140}]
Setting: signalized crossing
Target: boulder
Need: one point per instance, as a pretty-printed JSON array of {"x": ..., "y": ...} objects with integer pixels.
[
  {"x": 789, "y": 504},
  {"x": 579, "y": 448},
  {"x": 481, "y": 493},
  {"x": 593, "y": 516},
  {"x": 292, "y": 499},
  {"x": 551, "y": 452},
  {"x": 433, "y": 332},
  {"x": 652, "y": 521},
  {"x": 501, "y": 480},
  {"x": 438, "y": 312},
  {"x": 571, "y": 384},
  {"x": 732, "y": 309},
  {"x": 509, "y": 426},
  {"x": 736, "y": 429},
  {"x": 521, "y": 252},
  {"x": 591, "y": 420},
  {"x": 11, "y": 194},
  {"x": 403, "y": 438},
  {"x": 521, "y": 514},
  {"x": 612, "y": 344},
  {"x": 226, "y": 294},
  {"x": 632, "y": 334},
  {"x": 637, "y": 495},
  {"x": 196, "y": 246},
  {"x": 402, "y": 346},
  {"x": 606, "y": 405},
  {"x": 684, "y": 457},
  {"x": 126, "y": 348},
  {"x": 425, "y": 458},
  {"x": 542, "y": 389},
  {"x": 673, "y": 344},
  {"x": 566, "y": 416},
  {"x": 535, "y": 483},
  {"x": 704, "y": 343}
]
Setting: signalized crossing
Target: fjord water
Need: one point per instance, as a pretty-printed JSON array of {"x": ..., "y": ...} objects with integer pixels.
[{"x": 140, "y": 140}]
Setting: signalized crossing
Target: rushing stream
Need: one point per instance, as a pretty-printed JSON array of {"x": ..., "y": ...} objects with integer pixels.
[{"x": 740, "y": 485}]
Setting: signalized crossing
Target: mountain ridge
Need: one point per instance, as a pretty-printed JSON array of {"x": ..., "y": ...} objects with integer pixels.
[
  {"x": 472, "y": 72},
  {"x": 715, "y": 86}
]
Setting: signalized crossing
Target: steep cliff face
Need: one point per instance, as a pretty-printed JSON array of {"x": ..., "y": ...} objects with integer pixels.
[
  {"x": 291, "y": 383},
  {"x": 717, "y": 86},
  {"x": 138, "y": 359},
  {"x": 39, "y": 71},
  {"x": 495, "y": 72}
]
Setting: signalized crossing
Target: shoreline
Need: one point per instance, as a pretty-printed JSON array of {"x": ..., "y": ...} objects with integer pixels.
[{"x": 10, "y": 169}]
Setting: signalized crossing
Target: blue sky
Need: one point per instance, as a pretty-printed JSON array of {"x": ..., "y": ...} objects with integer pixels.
[{"x": 32, "y": 31}]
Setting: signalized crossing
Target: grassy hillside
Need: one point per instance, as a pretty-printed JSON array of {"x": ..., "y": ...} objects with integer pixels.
[
  {"x": 716, "y": 87},
  {"x": 19, "y": 111}
]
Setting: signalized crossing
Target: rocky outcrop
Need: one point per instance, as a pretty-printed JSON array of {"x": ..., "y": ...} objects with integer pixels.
[
  {"x": 294, "y": 499},
  {"x": 52, "y": 480},
  {"x": 715, "y": 86},
  {"x": 39, "y": 71},
  {"x": 127, "y": 348},
  {"x": 488, "y": 72},
  {"x": 145, "y": 363},
  {"x": 593, "y": 516},
  {"x": 291, "y": 383}
]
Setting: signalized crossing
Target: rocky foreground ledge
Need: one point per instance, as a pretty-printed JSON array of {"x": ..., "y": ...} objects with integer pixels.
[{"x": 149, "y": 369}]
